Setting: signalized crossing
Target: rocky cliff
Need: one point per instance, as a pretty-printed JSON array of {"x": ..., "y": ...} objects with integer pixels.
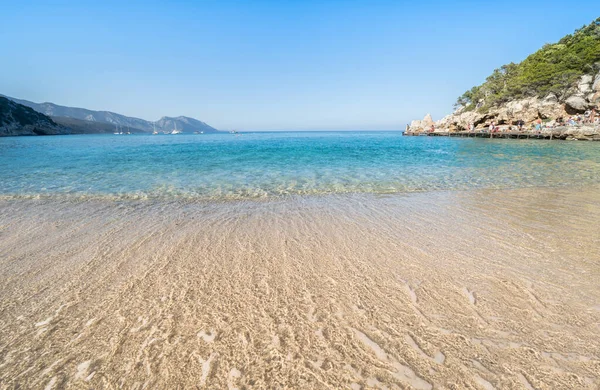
[
  {"x": 17, "y": 119},
  {"x": 583, "y": 97},
  {"x": 558, "y": 81}
]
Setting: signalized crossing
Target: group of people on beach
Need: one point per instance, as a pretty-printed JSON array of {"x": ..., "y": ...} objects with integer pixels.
[{"x": 590, "y": 117}]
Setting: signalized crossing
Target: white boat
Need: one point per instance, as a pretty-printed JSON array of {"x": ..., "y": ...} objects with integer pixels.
[
  {"x": 176, "y": 131},
  {"x": 154, "y": 132}
]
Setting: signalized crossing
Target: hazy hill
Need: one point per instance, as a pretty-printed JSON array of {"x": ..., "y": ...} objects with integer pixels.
[
  {"x": 17, "y": 119},
  {"x": 78, "y": 126},
  {"x": 164, "y": 124},
  {"x": 187, "y": 125}
]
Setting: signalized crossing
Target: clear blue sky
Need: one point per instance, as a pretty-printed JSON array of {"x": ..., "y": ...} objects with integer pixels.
[{"x": 270, "y": 65}]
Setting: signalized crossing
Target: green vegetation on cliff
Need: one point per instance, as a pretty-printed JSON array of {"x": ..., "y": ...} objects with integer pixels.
[
  {"x": 22, "y": 115},
  {"x": 555, "y": 68},
  {"x": 17, "y": 119}
]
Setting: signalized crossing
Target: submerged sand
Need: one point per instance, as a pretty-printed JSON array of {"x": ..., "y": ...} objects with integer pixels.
[{"x": 479, "y": 289}]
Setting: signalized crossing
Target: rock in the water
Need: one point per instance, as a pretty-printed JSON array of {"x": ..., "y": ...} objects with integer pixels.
[
  {"x": 426, "y": 123},
  {"x": 575, "y": 105},
  {"x": 415, "y": 125}
]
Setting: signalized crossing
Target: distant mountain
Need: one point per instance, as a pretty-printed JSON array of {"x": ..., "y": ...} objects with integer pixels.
[
  {"x": 17, "y": 119},
  {"x": 185, "y": 124},
  {"x": 188, "y": 125},
  {"x": 78, "y": 126}
]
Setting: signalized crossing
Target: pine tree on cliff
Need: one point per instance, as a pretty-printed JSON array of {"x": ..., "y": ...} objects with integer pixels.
[{"x": 555, "y": 68}]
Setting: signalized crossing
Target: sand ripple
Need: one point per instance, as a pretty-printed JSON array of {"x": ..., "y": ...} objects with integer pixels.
[{"x": 479, "y": 289}]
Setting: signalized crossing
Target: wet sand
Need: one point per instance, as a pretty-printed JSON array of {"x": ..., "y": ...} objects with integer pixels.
[{"x": 449, "y": 290}]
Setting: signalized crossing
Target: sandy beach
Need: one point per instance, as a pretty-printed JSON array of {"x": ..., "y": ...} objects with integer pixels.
[{"x": 486, "y": 289}]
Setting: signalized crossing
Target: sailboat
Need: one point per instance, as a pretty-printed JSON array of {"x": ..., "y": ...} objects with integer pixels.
[
  {"x": 176, "y": 131},
  {"x": 154, "y": 132}
]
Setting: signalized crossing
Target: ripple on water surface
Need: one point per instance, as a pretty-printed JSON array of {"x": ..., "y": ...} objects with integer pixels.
[{"x": 263, "y": 165}]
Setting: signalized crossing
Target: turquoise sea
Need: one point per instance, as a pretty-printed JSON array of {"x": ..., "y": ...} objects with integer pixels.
[{"x": 263, "y": 165}]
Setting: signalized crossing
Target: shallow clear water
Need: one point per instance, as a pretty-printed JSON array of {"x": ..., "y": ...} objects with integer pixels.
[{"x": 254, "y": 165}]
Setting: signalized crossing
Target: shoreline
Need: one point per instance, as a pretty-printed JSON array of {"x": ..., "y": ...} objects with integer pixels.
[
  {"x": 435, "y": 289},
  {"x": 579, "y": 133},
  {"x": 296, "y": 197}
]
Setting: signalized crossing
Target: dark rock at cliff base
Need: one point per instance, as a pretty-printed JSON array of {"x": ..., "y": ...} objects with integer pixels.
[{"x": 575, "y": 105}]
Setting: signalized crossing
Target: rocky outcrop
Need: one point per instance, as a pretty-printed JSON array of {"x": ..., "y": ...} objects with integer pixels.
[
  {"x": 575, "y": 105},
  {"x": 422, "y": 124},
  {"x": 570, "y": 133},
  {"x": 526, "y": 110},
  {"x": 17, "y": 119},
  {"x": 596, "y": 85},
  {"x": 585, "y": 84},
  {"x": 584, "y": 95},
  {"x": 582, "y": 133}
]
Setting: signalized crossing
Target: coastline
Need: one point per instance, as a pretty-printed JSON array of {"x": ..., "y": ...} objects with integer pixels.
[
  {"x": 455, "y": 288},
  {"x": 532, "y": 112}
]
